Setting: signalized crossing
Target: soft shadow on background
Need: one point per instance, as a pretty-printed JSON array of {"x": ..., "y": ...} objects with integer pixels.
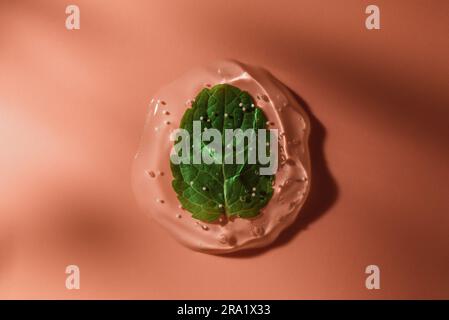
[
  {"x": 6, "y": 252},
  {"x": 323, "y": 188}
]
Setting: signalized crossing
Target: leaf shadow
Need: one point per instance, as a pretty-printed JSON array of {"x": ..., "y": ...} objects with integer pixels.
[{"x": 323, "y": 191}]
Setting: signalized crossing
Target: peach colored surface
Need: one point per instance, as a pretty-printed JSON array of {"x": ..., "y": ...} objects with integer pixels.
[{"x": 72, "y": 108}]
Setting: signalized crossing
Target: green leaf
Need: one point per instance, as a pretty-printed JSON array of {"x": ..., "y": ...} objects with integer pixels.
[{"x": 211, "y": 190}]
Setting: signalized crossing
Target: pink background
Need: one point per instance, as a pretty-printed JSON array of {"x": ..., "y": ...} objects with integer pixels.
[{"x": 72, "y": 107}]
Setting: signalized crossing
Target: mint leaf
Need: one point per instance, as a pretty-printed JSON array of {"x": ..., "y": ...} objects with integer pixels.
[{"x": 211, "y": 190}]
